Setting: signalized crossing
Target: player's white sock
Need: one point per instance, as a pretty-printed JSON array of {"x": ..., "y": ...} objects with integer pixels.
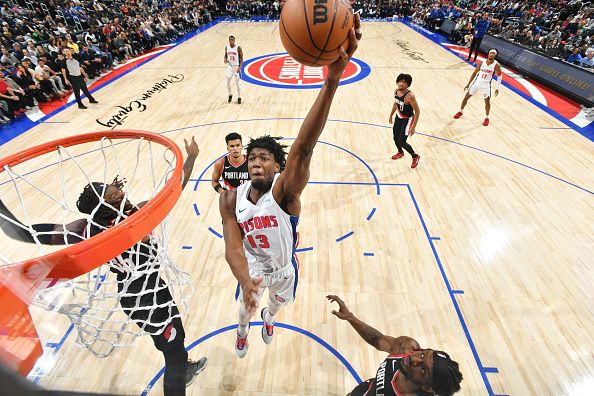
[
  {"x": 244, "y": 320},
  {"x": 238, "y": 90}
]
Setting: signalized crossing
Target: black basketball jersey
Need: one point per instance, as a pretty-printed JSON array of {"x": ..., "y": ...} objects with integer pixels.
[
  {"x": 234, "y": 176},
  {"x": 403, "y": 110},
  {"x": 384, "y": 382}
]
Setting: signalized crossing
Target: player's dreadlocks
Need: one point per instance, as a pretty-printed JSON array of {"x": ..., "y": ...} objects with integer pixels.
[
  {"x": 89, "y": 200},
  {"x": 270, "y": 143}
]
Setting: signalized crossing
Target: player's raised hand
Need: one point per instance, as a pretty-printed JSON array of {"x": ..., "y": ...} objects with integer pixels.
[
  {"x": 250, "y": 294},
  {"x": 118, "y": 183},
  {"x": 343, "y": 312},
  {"x": 192, "y": 148},
  {"x": 336, "y": 69}
]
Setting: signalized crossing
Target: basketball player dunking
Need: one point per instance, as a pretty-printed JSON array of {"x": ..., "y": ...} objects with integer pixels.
[
  {"x": 233, "y": 60},
  {"x": 408, "y": 370},
  {"x": 232, "y": 167},
  {"x": 480, "y": 82},
  {"x": 179, "y": 371},
  {"x": 407, "y": 116},
  {"x": 260, "y": 217}
]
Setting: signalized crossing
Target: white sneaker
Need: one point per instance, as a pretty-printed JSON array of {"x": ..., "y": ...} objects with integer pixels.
[
  {"x": 267, "y": 329},
  {"x": 241, "y": 344}
]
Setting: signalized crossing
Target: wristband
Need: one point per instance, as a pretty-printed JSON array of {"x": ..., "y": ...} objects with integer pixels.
[{"x": 218, "y": 187}]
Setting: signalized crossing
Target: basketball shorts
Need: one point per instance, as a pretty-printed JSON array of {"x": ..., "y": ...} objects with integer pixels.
[
  {"x": 483, "y": 90},
  {"x": 232, "y": 71},
  {"x": 402, "y": 125},
  {"x": 281, "y": 285}
]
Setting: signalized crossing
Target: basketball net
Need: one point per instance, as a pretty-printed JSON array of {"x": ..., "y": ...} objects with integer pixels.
[{"x": 136, "y": 293}]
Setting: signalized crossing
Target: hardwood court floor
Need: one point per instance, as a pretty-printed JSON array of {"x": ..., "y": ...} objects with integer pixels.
[{"x": 505, "y": 212}]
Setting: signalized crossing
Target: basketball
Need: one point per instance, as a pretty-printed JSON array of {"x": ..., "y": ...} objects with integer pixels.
[{"x": 312, "y": 31}]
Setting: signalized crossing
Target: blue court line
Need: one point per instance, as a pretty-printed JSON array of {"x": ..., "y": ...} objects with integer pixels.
[
  {"x": 457, "y": 291},
  {"x": 345, "y": 236},
  {"x": 587, "y": 132},
  {"x": 371, "y": 214},
  {"x": 186, "y": 247},
  {"x": 366, "y": 254},
  {"x": 307, "y": 249},
  {"x": 436, "y": 238},
  {"x": 452, "y": 297},
  {"x": 299, "y": 330},
  {"x": 385, "y": 127},
  {"x": 490, "y": 370},
  {"x": 214, "y": 232},
  {"x": 196, "y": 210}
]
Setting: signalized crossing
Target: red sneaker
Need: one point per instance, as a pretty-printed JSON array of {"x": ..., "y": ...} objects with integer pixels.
[
  {"x": 415, "y": 161},
  {"x": 458, "y": 115},
  {"x": 397, "y": 155},
  {"x": 486, "y": 122},
  {"x": 241, "y": 345}
]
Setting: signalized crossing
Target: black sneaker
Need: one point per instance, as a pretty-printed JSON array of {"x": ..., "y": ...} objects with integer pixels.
[
  {"x": 230, "y": 98},
  {"x": 82, "y": 107},
  {"x": 93, "y": 101},
  {"x": 194, "y": 368},
  {"x": 238, "y": 100}
]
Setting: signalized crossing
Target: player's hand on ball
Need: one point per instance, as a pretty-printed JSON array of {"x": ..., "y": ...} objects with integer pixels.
[
  {"x": 343, "y": 312},
  {"x": 192, "y": 148},
  {"x": 250, "y": 294},
  {"x": 336, "y": 69}
]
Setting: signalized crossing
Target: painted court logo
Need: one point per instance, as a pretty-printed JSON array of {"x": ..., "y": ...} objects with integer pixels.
[{"x": 282, "y": 71}]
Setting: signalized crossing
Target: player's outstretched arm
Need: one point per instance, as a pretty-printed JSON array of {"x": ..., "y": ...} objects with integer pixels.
[
  {"x": 216, "y": 175},
  {"x": 192, "y": 151},
  {"x": 52, "y": 234},
  {"x": 296, "y": 174},
  {"x": 372, "y": 336},
  {"x": 234, "y": 250}
]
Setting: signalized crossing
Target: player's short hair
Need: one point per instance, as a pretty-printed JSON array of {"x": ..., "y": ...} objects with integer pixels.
[
  {"x": 407, "y": 78},
  {"x": 271, "y": 144},
  {"x": 89, "y": 200},
  {"x": 232, "y": 37},
  {"x": 232, "y": 136},
  {"x": 446, "y": 374}
]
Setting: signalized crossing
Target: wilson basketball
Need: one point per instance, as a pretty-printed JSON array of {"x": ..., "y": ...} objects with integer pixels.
[{"x": 312, "y": 31}]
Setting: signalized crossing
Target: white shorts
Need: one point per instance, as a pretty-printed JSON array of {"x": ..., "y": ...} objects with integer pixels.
[
  {"x": 281, "y": 285},
  {"x": 232, "y": 71},
  {"x": 484, "y": 90}
]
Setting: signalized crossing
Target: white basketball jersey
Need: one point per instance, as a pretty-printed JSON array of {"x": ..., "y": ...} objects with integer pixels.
[
  {"x": 485, "y": 74},
  {"x": 232, "y": 55},
  {"x": 269, "y": 234}
]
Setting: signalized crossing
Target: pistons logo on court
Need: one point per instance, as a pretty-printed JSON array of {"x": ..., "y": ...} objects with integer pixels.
[{"x": 282, "y": 71}]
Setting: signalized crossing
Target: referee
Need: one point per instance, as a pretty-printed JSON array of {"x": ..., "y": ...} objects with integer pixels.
[{"x": 73, "y": 75}]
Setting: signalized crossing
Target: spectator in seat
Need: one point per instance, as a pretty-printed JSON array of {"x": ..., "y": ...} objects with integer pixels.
[{"x": 574, "y": 57}]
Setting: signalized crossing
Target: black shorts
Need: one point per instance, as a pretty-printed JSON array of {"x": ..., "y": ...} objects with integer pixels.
[{"x": 401, "y": 125}]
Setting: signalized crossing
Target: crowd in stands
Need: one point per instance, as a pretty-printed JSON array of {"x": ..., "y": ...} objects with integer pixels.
[
  {"x": 559, "y": 29},
  {"x": 104, "y": 33},
  {"x": 101, "y": 33}
]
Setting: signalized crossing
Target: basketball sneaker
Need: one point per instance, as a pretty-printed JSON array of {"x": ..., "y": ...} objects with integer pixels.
[
  {"x": 397, "y": 155},
  {"x": 241, "y": 344},
  {"x": 194, "y": 368},
  {"x": 415, "y": 161},
  {"x": 238, "y": 100},
  {"x": 230, "y": 99},
  {"x": 458, "y": 115},
  {"x": 267, "y": 329},
  {"x": 486, "y": 122}
]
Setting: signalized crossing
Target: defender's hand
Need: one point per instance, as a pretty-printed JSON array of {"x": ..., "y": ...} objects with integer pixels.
[
  {"x": 343, "y": 312},
  {"x": 192, "y": 148}
]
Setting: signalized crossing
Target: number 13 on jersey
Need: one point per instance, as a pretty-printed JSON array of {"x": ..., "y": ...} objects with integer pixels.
[{"x": 262, "y": 241}]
